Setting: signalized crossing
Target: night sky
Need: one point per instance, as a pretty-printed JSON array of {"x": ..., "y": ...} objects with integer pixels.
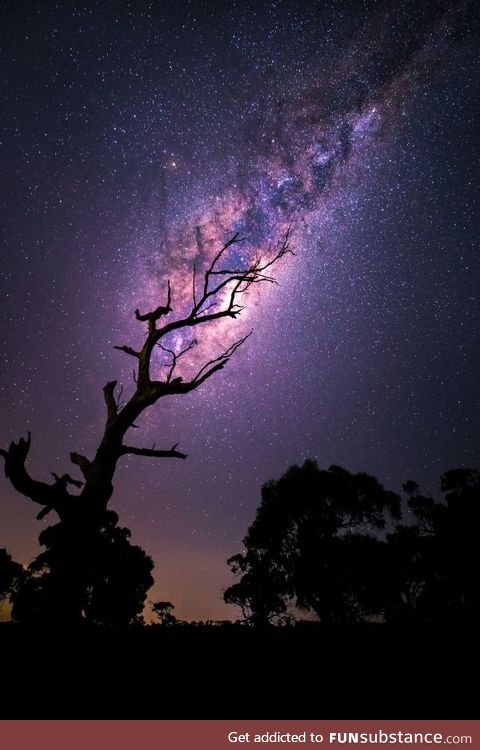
[{"x": 135, "y": 138}]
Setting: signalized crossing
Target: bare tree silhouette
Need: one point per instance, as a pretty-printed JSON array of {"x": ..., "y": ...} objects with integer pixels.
[{"x": 217, "y": 297}]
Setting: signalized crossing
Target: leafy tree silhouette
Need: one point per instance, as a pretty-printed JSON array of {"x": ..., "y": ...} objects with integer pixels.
[
  {"x": 89, "y": 574},
  {"x": 263, "y": 590},
  {"x": 308, "y": 543},
  {"x": 163, "y": 610},
  {"x": 433, "y": 562},
  {"x": 456, "y": 528},
  {"x": 85, "y": 540},
  {"x": 9, "y": 572}
]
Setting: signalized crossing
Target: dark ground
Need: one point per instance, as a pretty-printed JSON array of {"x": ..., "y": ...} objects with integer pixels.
[{"x": 199, "y": 672}]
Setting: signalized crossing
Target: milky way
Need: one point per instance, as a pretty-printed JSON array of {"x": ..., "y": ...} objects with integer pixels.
[
  {"x": 136, "y": 140},
  {"x": 302, "y": 148}
]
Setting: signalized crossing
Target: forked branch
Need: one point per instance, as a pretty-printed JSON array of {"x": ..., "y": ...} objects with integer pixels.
[
  {"x": 152, "y": 317},
  {"x": 219, "y": 362},
  {"x": 82, "y": 462},
  {"x": 222, "y": 285},
  {"x": 52, "y": 496},
  {"x": 175, "y": 356},
  {"x": 152, "y": 452}
]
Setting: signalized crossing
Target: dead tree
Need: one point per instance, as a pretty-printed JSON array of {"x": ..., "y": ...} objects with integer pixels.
[{"x": 218, "y": 298}]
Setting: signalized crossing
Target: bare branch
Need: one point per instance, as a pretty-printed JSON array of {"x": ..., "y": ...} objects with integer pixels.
[
  {"x": 176, "y": 356},
  {"x": 208, "y": 307},
  {"x": 177, "y": 386},
  {"x": 64, "y": 480},
  {"x": 234, "y": 240},
  {"x": 44, "y": 494},
  {"x": 118, "y": 399},
  {"x": 128, "y": 350},
  {"x": 172, "y": 453},
  {"x": 152, "y": 317},
  {"x": 242, "y": 278},
  {"x": 44, "y": 512},
  {"x": 82, "y": 462},
  {"x": 236, "y": 281},
  {"x": 222, "y": 359},
  {"x": 108, "y": 395},
  {"x": 194, "y": 286}
]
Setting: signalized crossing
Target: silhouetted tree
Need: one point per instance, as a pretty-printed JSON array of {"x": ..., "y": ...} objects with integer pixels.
[
  {"x": 263, "y": 590},
  {"x": 457, "y": 531},
  {"x": 163, "y": 610},
  {"x": 97, "y": 577},
  {"x": 433, "y": 562},
  {"x": 308, "y": 543},
  {"x": 9, "y": 572},
  {"x": 83, "y": 519}
]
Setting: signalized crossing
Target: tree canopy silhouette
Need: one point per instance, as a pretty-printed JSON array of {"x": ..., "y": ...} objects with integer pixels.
[
  {"x": 433, "y": 560},
  {"x": 9, "y": 572},
  {"x": 318, "y": 542},
  {"x": 309, "y": 542},
  {"x": 164, "y": 612},
  {"x": 95, "y": 576},
  {"x": 80, "y": 543}
]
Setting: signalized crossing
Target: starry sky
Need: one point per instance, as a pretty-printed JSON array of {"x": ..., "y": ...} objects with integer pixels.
[{"x": 135, "y": 138}]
